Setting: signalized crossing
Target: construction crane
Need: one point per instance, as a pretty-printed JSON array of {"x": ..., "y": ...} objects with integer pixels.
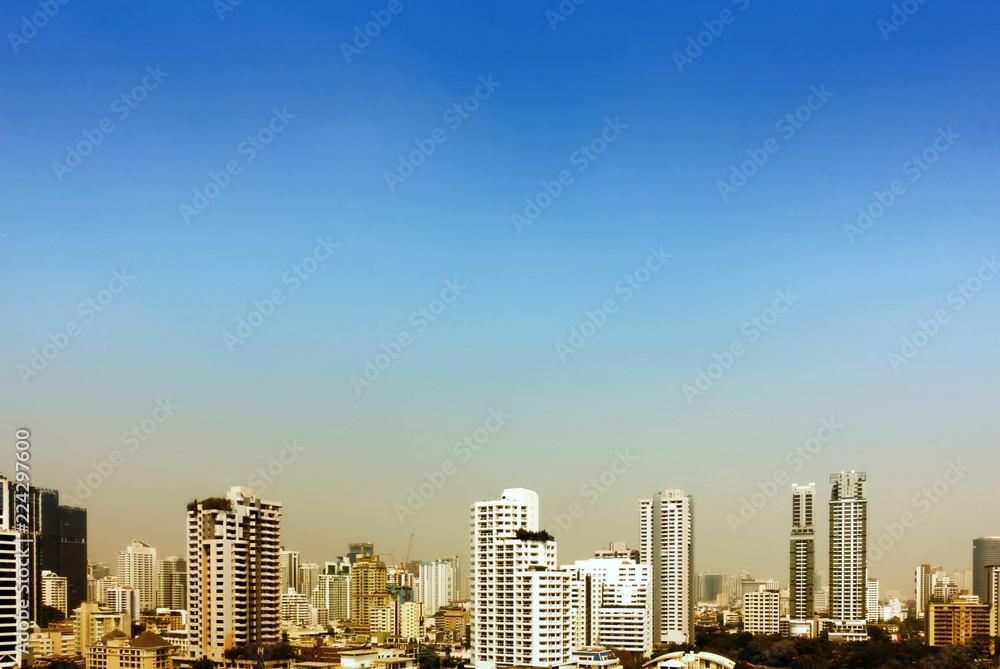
[{"x": 406, "y": 562}]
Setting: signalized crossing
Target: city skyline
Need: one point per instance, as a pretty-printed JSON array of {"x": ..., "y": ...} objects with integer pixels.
[{"x": 409, "y": 274}]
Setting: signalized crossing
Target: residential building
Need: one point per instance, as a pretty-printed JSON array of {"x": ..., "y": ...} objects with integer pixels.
[
  {"x": 368, "y": 581},
  {"x": 802, "y": 553},
  {"x": 119, "y": 651},
  {"x": 54, "y": 592},
  {"x": 762, "y": 611},
  {"x": 436, "y": 587},
  {"x": 873, "y": 610},
  {"x": 92, "y": 621},
  {"x": 923, "y": 588},
  {"x": 289, "y": 561},
  {"x": 233, "y": 572},
  {"x": 137, "y": 570},
  {"x": 958, "y": 623},
  {"x": 666, "y": 543},
  {"x": 612, "y": 604},
  {"x": 411, "y": 620},
  {"x": 520, "y": 600},
  {"x": 125, "y": 599},
  {"x": 332, "y": 595},
  {"x": 848, "y": 546},
  {"x": 295, "y": 608},
  {"x": 13, "y": 641},
  {"x": 171, "y": 583}
]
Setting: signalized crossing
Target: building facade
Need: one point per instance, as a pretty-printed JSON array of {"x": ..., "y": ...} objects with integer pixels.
[
  {"x": 802, "y": 553},
  {"x": 666, "y": 543},
  {"x": 137, "y": 570},
  {"x": 762, "y": 611},
  {"x": 848, "y": 546},
  {"x": 521, "y": 602},
  {"x": 171, "y": 583},
  {"x": 985, "y": 554},
  {"x": 233, "y": 572},
  {"x": 436, "y": 588}
]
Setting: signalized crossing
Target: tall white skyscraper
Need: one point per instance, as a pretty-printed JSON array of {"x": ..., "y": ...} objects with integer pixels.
[
  {"x": 848, "y": 545},
  {"x": 137, "y": 570},
  {"x": 333, "y": 594},
  {"x": 612, "y": 604},
  {"x": 233, "y": 572},
  {"x": 171, "y": 583},
  {"x": 802, "y": 552},
  {"x": 666, "y": 543},
  {"x": 521, "y": 601},
  {"x": 436, "y": 588}
]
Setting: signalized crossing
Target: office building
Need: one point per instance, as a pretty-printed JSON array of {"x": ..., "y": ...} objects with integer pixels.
[
  {"x": 359, "y": 550},
  {"x": 137, "y": 570},
  {"x": 985, "y": 554},
  {"x": 233, "y": 549},
  {"x": 802, "y": 553},
  {"x": 171, "y": 583},
  {"x": 58, "y": 543},
  {"x": 520, "y": 600},
  {"x": 666, "y": 543}
]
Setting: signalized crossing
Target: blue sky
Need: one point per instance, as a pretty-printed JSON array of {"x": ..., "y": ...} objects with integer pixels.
[{"x": 323, "y": 175}]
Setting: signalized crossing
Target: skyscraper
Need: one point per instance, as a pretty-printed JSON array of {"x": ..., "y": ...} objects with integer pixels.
[
  {"x": 521, "y": 601},
  {"x": 233, "y": 546},
  {"x": 436, "y": 588},
  {"x": 137, "y": 570},
  {"x": 58, "y": 544},
  {"x": 358, "y": 550},
  {"x": 333, "y": 595},
  {"x": 10, "y": 590},
  {"x": 848, "y": 546},
  {"x": 923, "y": 587},
  {"x": 985, "y": 554},
  {"x": 369, "y": 587},
  {"x": 802, "y": 552},
  {"x": 289, "y": 561},
  {"x": 171, "y": 583},
  {"x": 613, "y": 606},
  {"x": 308, "y": 578},
  {"x": 666, "y": 543}
]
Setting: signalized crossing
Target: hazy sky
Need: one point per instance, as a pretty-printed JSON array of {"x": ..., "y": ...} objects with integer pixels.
[{"x": 200, "y": 153}]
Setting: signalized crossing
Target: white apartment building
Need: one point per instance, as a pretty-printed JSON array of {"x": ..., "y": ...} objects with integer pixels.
[
  {"x": 612, "y": 604},
  {"x": 295, "y": 608},
  {"x": 520, "y": 600},
  {"x": 137, "y": 569},
  {"x": 383, "y": 618},
  {"x": 333, "y": 595},
  {"x": 54, "y": 591},
  {"x": 666, "y": 543},
  {"x": 873, "y": 610},
  {"x": 411, "y": 618},
  {"x": 127, "y": 600},
  {"x": 762, "y": 611},
  {"x": 233, "y": 572},
  {"x": 848, "y": 546},
  {"x": 436, "y": 587}
]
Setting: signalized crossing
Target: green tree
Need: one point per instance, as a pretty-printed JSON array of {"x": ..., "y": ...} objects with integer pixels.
[
  {"x": 203, "y": 663},
  {"x": 428, "y": 659}
]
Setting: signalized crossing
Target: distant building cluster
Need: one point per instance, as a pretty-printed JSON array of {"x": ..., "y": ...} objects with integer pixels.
[{"x": 239, "y": 596}]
